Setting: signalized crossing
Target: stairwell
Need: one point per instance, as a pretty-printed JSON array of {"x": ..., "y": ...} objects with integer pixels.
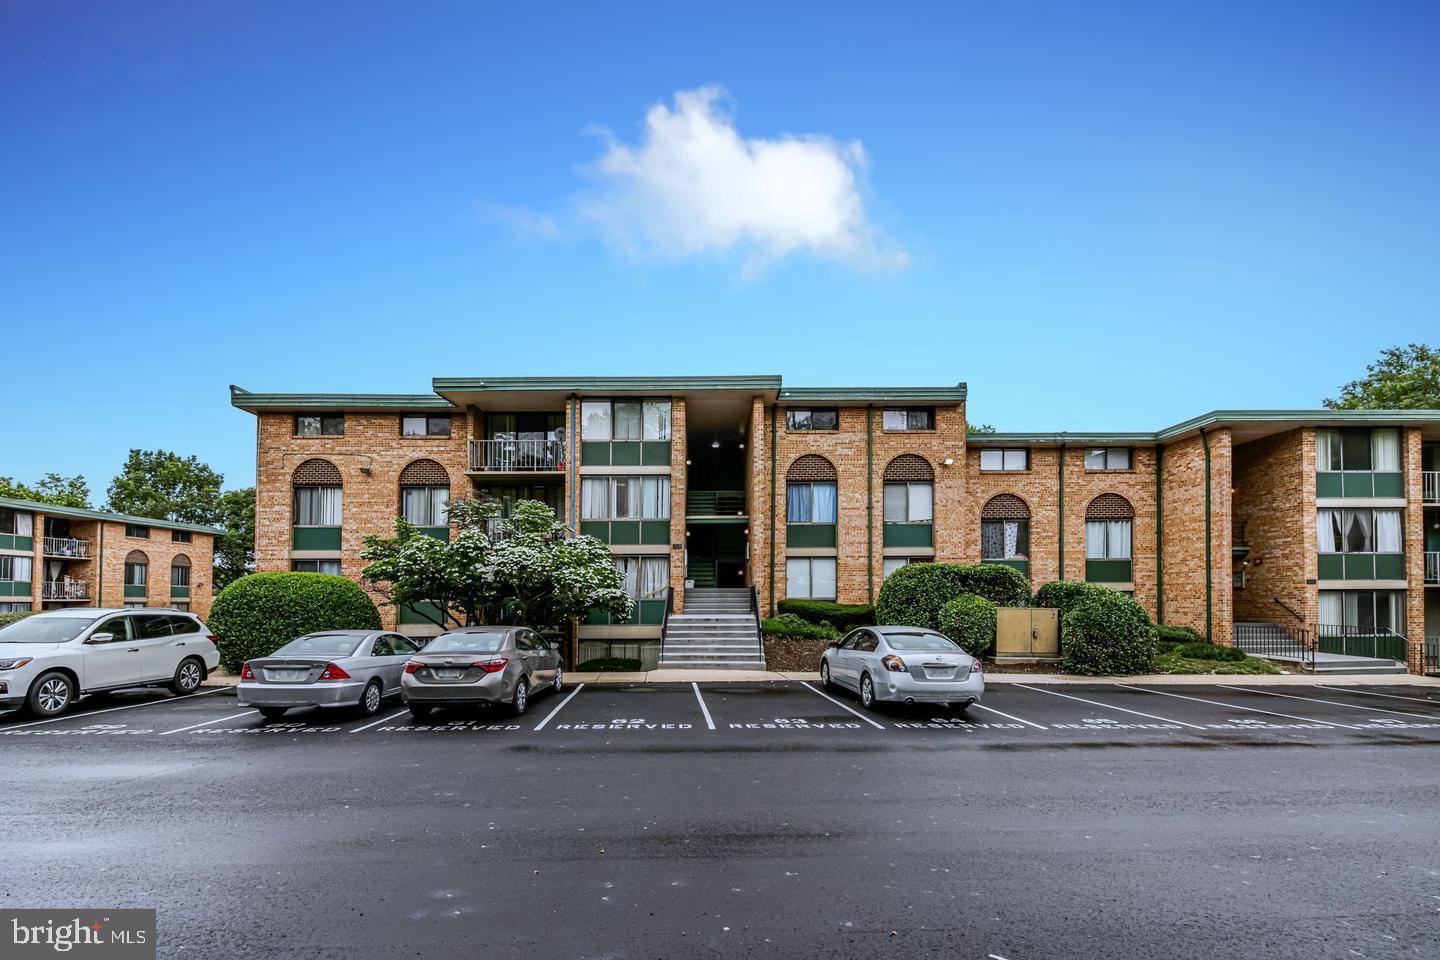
[
  {"x": 1273, "y": 642},
  {"x": 717, "y": 631}
]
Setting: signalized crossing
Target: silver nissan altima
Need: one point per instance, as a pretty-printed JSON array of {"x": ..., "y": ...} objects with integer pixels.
[
  {"x": 903, "y": 665},
  {"x": 338, "y": 668},
  {"x": 481, "y": 665}
]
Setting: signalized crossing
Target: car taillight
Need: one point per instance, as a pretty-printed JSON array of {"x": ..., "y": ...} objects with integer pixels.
[
  {"x": 213, "y": 639},
  {"x": 412, "y": 665},
  {"x": 491, "y": 666},
  {"x": 246, "y": 673},
  {"x": 333, "y": 672},
  {"x": 975, "y": 666},
  {"x": 894, "y": 664}
]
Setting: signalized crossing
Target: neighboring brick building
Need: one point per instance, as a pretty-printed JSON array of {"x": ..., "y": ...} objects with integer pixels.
[
  {"x": 54, "y": 557},
  {"x": 1227, "y": 520}
]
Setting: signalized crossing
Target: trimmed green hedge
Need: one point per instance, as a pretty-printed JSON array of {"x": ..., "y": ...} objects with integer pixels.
[
  {"x": 913, "y": 595},
  {"x": 1066, "y": 595},
  {"x": 609, "y": 665},
  {"x": 970, "y": 621},
  {"x": 1178, "y": 634},
  {"x": 260, "y": 613},
  {"x": 8, "y": 618},
  {"x": 791, "y": 626},
  {"x": 1209, "y": 651},
  {"x": 1107, "y": 634},
  {"x": 842, "y": 616}
]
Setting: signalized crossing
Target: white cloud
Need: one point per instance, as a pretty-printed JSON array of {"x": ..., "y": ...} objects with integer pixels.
[
  {"x": 521, "y": 221},
  {"x": 693, "y": 187}
]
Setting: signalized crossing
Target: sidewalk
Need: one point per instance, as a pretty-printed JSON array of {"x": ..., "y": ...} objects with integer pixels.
[{"x": 1154, "y": 679}]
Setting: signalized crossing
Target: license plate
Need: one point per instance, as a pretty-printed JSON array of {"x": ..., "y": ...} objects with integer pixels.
[
  {"x": 449, "y": 674},
  {"x": 939, "y": 673},
  {"x": 288, "y": 674}
]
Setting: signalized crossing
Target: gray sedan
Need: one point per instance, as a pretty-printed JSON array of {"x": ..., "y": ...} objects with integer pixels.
[
  {"x": 338, "y": 668},
  {"x": 903, "y": 665},
  {"x": 481, "y": 665}
]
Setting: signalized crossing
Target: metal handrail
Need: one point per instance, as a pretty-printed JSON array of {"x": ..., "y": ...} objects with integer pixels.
[
  {"x": 1290, "y": 610},
  {"x": 715, "y": 503},
  {"x": 755, "y": 612},
  {"x": 1273, "y": 640},
  {"x": 1347, "y": 635},
  {"x": 65, "y": 590},
  {"x": 669, "y": 606},
  {"x": 71, "y": 547},
  {"x": 517, "y": 456},
  {"x": 1431, "y": 483}
]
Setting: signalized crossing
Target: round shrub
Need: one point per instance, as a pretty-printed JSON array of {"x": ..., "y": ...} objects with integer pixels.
[
  {"x": 259, "y": 613},
  {"x": 8, "y": 618},
  {"x": 1107, "y": 634},
  {"x": 970, "y": 621},
  {"x": 913, "y": 595},
  {"x": 1210, "y": 651},
  {"x": 842, "y": 616},
  {"x": 1178, "y": 634},
  {"x": 1066, "y": 595}
]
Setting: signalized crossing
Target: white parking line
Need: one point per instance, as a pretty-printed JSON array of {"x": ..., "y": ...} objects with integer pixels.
[
  {"x": 1236, "y": 706},
  {"x": 703, "y": 709},
  {"x": 376, "y": 723},
  {"x": 1111, "y": 706},
  {"x": 877, "y": 726},
  {"x": 558, "y": 707},
  {"x": 1333, "y": 703},
  {"x": 128, "y": 706},
  {"x": 1387, "y": 696},
  {"x": 207, "y": 723},
  {"x": 981, "y": 706}
]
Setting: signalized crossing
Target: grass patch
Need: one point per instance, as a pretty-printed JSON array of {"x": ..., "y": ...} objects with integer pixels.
[{"x": 1172, "y": 661}]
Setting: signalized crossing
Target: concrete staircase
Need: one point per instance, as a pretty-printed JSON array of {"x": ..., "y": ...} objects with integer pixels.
[
  {"x": 717, "y": 631},
  {"x": 1273, "y": 642}
]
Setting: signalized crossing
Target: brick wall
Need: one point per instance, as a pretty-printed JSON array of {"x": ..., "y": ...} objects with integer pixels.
[
  {"x": 1271, "y": 516},
  {"x": 678, "y": 448},
  {"x": 758, "y": 475},
  {"x": 1039, "y": 487},
  {"x": 1415, "y": 625},
  {"x": 1183, "y": 474},
  {"x": 1136, "y": 486},
  {"x": 160, "y": 551}
]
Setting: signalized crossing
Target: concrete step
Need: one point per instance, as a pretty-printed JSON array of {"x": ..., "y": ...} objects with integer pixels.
[
  {"x": 700, "y": 666},
  {"x": 1352, "y": 669}
]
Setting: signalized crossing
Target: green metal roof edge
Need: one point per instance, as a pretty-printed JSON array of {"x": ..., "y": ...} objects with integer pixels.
[
  {"x": 245, "y": 400},
  {"x": 608, "y": 384},
  {"x": 59, "y": 511},
  {"x": 1213, "y": 418},
  {"x": 955, "y": 394}
]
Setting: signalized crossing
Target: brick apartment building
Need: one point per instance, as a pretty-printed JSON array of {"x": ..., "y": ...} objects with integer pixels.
[
  {"x": 1316, "y": 524},
  {"x": 55, "y": 557}
]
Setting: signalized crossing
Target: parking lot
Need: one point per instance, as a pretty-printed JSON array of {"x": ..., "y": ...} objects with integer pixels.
[{"x": 747, "y": 819}]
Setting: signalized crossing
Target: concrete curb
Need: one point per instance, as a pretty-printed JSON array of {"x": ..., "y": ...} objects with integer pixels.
[{"x": 1153, "y": 679}]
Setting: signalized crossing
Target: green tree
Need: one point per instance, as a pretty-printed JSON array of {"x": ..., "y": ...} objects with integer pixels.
[
  {"x": 523, "y": 569},
  {"x": 1404, "y": 378},
  {"x": 166, "y": 486},
  {"x": 52, "y": 488},
  {"x": 980, "y": 428},
  {"x": 235, "y": 547}
]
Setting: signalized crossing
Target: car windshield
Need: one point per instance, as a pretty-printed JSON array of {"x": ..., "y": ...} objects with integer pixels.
[
  {"x": 320, "y": 645},
  {"x": 44, "y": 629},
  {"x": 921, "y": 642},
  {"x": 487, "y": 642}
]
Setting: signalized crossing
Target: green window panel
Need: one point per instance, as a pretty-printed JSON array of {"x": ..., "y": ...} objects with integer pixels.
[
  {"x": 179, "y": 593},
  {"x": 1358, "y": 484},
  {"x": 25, "y": 543},
  {"x": 655, "y": 532},
  {"x": 655, "y": 453},
  {"x": 645, "y": 613},
  {"x": 1329, "y": 485},
  {"x": 1022, "y": 565},
  {"x": 1389, "y": 566},
  {"x": 316, "y": 538},
  {"x": 810, "y": 534},
  {"x": 1362, "y": 566},
  {"x": 15, "y": 588},
  {"x": 133, "y": 591},
  {"x": 1332, "y": 566},
  {"x": 1386, "y": 646},
  {"x": 1389, "y": 484},
  {"x": 595, "y": 528},
  {"x": 595, "y": 453},
  {"x": 1359, "y": 566},
  {"x": 1109, "y": 571},
  {"x": 624, "y": 532},
  {"x": 412, "y": 614},
  {"x": 625, "y": 453},
  {"x": 439, "y": 533},
  {"x": 10, "y": 541},
  {"x": 909, "y": 535}
]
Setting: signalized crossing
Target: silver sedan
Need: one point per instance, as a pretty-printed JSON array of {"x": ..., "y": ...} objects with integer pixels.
[
  {"x": 481, "y": 665},
  {"x": 903, "y": 665},
  {"x": 338, "y": 668}
]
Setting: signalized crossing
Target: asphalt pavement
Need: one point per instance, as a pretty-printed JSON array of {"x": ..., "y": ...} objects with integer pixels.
[{"x": 747, "y": 819}]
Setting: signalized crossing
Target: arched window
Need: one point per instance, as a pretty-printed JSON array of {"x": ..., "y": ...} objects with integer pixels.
[
  {"x": 425, "y": 494},
  {"x": 810, "y": 490},
  {"x": 180, "y": 571},
  {"x": 1109, "y": 528},
  {"x": 1005, "y": 528},
  {"x": 317, "y": 494},
  {"x": 909, "y": 490},
  {"x": 137, "y": 569}
]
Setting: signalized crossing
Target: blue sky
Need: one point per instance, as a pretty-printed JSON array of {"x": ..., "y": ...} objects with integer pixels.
[{"x": 1104, "y": 216}]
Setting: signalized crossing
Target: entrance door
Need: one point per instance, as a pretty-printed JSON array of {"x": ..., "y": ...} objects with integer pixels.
[{"x": 715, "y": 555}]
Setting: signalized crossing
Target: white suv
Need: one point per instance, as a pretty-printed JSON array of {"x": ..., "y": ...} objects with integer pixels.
[{"x": 51, "y": 659}]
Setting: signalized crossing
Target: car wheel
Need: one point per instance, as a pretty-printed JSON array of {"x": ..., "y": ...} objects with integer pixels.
[
  {"x": 825, "y": 681},
  {"x": 867, "y": 692},
  {"x": 272, "y": 713},
  {"x": 522, "y": 697},
  {"x": 559, "y": 680},
  {"x": 370, "y": 699},
  {"x": 188, "y": 676},
  {"x": 420, "y": 711},
  {"x": 52, "y": 694}
]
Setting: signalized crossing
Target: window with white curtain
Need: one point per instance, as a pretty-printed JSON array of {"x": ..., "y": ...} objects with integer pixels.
[
  {"x": 17, "y": 569},
  {"x": 811, "y": 578},
  {"x": 1385, "y": 451},
  {"x": 1363, "y": 611},
  {"x": 317, "y": 506},
  {"x": 1005, "y": 540},
  {"x": 1359, "y": 531},
  {"x": 997, "y": 458},
  {"x": 595, "y": 420},
  {"x": 645, "y": 578},
  {"x": 1358, "y": 450},
  {"x": 810, "y": 503},
  {"x": 625, "y": 420},
  {"x": 908, "y": 418},
  {"x": 17, "y": 522},
  {"x": 1107, "y": 539},
  {"x": 135, "y": 574},
  {"x": 331, "y": 567},
  {"x": 625, "y": 498},
  {"x": 895, "y": 563},
  {"x": 909, "y": 502},
  {"x": 425, "y": 506},
  {"x": 1107, "y": 458}
]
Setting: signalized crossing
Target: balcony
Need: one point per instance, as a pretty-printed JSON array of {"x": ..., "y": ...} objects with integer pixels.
[
  {"x": 715, "y": 503},
  {"x": 517, "y": 456},
  {"x": 1432, "y": 566},
  {"x": 1432, "y": 485},
  {"x": 67, "y": 548},
  {"x": 65, "y": 590}
]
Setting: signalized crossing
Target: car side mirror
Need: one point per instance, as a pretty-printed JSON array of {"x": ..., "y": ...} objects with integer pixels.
[
  {"x": 834, "y": 644},
  {"x": 554, "y": 646},
  {"x": 100, "y": 638}
]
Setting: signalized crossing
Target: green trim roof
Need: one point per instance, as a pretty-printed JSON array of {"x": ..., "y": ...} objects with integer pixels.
[
  {"x": 1212, "y": 419},
  {"x": 604, "y": 384},
  {"x": 955, "y": 394},
  {"x": 246, "y": 400},
  {"x": 53, "y": 510}
]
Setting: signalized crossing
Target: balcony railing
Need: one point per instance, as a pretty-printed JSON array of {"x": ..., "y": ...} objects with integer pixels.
[
  {"x": 65, "y": 590},
  {"x": 69, "y": 547},
  {"x": 517, "y": 456},
  {"x": 715, "y": 503},
  {"x": 1432, "y": 566},
  {"x": 1432, "y": 485}
]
